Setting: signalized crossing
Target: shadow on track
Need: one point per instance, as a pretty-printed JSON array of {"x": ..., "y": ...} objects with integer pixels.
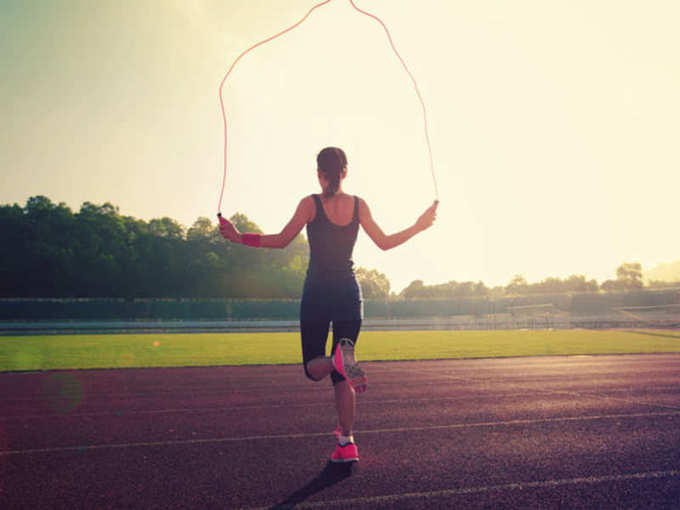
[{"x": 330, "y": 475}]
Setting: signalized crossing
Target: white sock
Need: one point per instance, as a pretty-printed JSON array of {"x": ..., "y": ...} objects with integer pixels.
[{"x": 343, "y": 440}]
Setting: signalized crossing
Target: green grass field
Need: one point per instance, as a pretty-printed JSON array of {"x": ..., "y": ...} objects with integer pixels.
[{"x": 166, "y": 350}]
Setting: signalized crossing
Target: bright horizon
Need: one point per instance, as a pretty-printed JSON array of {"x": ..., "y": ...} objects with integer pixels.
[{"x": 554, "y": 127}]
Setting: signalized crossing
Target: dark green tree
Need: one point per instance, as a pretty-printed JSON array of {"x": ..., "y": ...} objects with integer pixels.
[
  {"x": 415, "y": 289},
  {"x": 374, "y": 284},
  {"x": 630, "y": 274},
  {"x": 628, "y": 277},
  {"x": 518, "y": 285},
  {"x": 48, "y": 251}
]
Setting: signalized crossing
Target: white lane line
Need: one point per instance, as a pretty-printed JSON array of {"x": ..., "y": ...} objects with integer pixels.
[
  {"x": 634, "y": 401},
  {"x": 587, "y": 393},
  {"x": 525, "y": 391},
  {"x": 604, "y": 396},
  {"x": 217, "y": 440},
  {"x": 237, "y": 408},
  {"x": 229, "y": 389},
  {"x": 447, "y": 493}
]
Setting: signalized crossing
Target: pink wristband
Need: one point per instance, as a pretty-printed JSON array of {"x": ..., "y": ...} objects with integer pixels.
[{"x": 253, "y": 240}]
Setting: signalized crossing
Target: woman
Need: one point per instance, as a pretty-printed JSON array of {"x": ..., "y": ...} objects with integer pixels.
[{"x": 331, "y": 292}]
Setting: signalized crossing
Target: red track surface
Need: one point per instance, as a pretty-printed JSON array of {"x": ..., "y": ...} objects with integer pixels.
[{"x": 563, "y": 432}]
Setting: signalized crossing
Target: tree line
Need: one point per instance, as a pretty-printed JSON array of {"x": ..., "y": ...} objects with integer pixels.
[
  {"x": 628, "y": 278},
  {"x": 48, "y": 250}
]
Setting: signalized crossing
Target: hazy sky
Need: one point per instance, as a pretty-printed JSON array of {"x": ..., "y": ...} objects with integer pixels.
[{"x": 555, "y": 126}]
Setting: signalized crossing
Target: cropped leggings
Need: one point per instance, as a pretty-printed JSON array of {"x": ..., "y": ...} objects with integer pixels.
[
  {"x": 336, "y": 301},
  {"x": 315, "y": 336}
]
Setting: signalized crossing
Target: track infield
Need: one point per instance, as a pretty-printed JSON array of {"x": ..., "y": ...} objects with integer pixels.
[{"x": 52, "y": 352}]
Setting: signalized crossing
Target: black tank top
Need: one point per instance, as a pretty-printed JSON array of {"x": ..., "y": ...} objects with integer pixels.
[{"x": 331, "y": 245}]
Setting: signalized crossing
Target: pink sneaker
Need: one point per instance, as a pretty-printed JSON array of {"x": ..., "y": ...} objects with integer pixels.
[
  {"x": 346, "y": 453},
  {"x": 344, "y": 363}
]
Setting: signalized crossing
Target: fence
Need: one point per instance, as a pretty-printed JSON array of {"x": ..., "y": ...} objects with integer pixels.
[{"x": 533, "y": 311}]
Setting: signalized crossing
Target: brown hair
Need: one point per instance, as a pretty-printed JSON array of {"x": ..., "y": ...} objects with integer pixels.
[{"x": 331, "y": 161}]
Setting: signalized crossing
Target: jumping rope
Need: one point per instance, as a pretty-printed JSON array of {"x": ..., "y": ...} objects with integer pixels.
[{"x": 389, "y": 38}]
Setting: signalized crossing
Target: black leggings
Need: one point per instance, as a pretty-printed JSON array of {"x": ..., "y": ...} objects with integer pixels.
[{"x": 315, "y": 335}]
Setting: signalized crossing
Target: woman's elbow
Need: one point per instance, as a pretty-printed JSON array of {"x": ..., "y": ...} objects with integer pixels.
[{"x": 383, "y": 244}]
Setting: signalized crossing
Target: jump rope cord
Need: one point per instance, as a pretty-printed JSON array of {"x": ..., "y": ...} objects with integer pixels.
[
  {"x": 224, "y": 116},
  {"x": 248, "y": 50},
  {"x": 415, "y": 86}
]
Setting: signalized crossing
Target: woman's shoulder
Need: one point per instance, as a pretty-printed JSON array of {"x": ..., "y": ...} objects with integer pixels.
[
  {"x": 309, "y": 200},
  {"x": 351, "y": 201},
  {"x": 307, "y": 207}
]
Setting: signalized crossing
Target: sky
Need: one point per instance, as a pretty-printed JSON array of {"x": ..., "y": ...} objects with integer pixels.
[{"x": 554, "y": 125}]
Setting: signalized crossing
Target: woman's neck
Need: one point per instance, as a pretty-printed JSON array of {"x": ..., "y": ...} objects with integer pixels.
[{"x": 336, "y": 194}]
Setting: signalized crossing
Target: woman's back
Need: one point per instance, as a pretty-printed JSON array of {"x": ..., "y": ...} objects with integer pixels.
[
  {"x": 332, "y": 234},
  {"x": 339, "y": 209}
]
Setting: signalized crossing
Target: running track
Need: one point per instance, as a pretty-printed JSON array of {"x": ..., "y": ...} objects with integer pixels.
[{"x": 559, "y": 432}]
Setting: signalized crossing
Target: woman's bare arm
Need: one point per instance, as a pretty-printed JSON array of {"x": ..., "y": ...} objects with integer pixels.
[
  {"x": 386, "y": 242},
  {"x": 302, "y": 215}
]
